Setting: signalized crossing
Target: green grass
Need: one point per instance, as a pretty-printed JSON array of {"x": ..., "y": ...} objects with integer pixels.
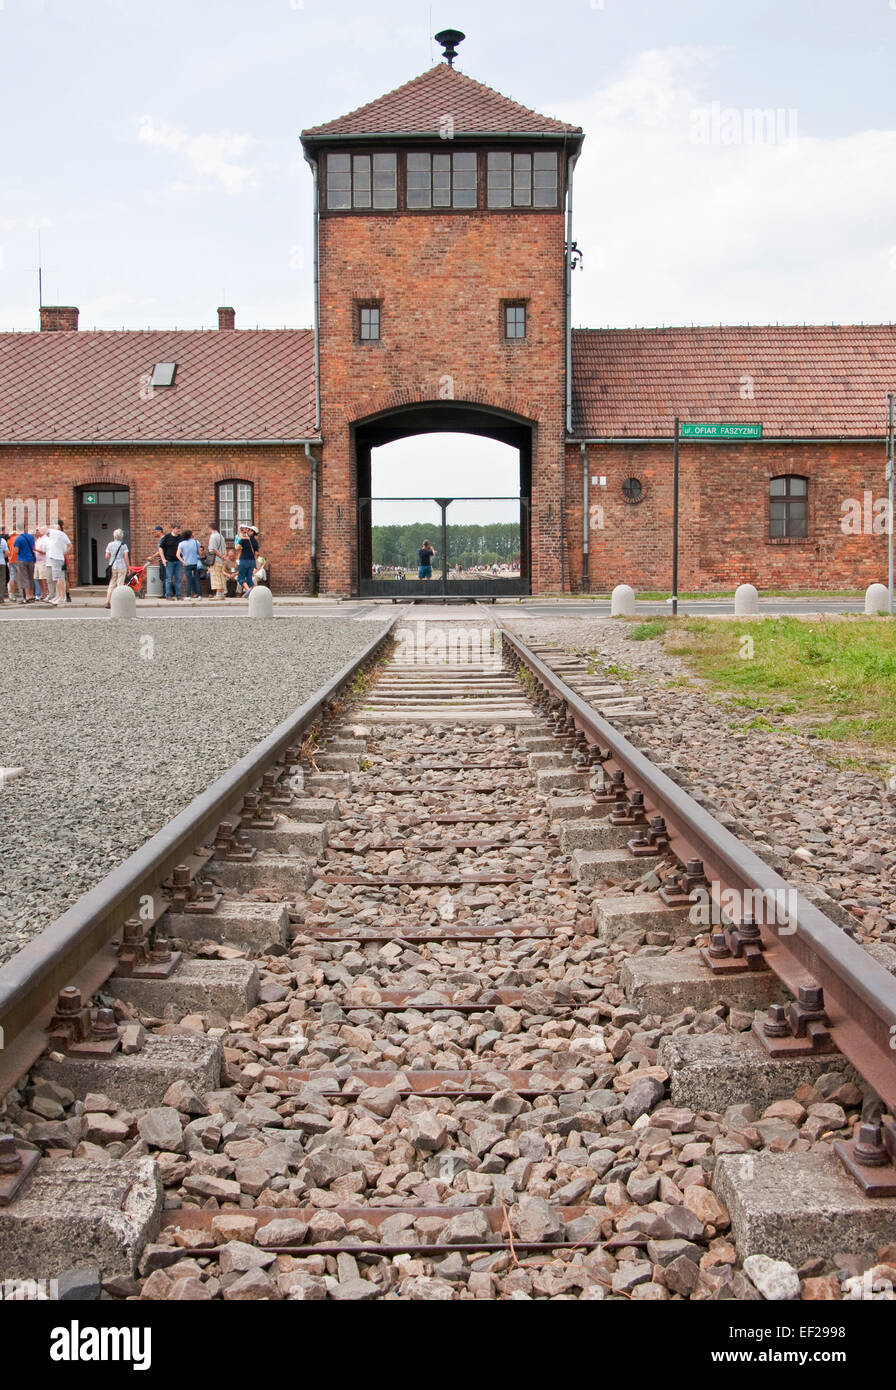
[
  {"x": 832, "y": 678},
  {"x": 653, "y": 627}
]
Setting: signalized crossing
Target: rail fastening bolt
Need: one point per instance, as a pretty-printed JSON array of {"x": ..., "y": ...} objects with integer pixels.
[{"x": 775, "y": 1022}]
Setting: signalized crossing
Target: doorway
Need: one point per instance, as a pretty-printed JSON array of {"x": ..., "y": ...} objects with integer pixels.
[
  {"x": 455, "y": 476},
  {"x": 101, "y": 511}
]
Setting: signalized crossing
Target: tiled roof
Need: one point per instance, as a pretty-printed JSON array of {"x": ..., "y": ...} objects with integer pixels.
[
  {"x": 420, "y": 107},
  {"x": 816, "y": 380},
  {"x": 230, "y": 385}
]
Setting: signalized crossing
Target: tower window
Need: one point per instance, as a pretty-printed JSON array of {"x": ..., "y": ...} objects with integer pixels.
[
  {"x": 514, "y": 321},
  {"x": 522, "y": 180},
  {"x": 362, "y": 181},
  {"x": 788, "y": 507},
  {"x": 369, "y": 323},
  {"x": 442, "y": 180}
]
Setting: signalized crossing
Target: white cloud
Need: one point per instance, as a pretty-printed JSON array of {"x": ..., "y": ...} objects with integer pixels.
[
  {"x": 675, "y": 231},
  {"x": 217, "y": 158}
]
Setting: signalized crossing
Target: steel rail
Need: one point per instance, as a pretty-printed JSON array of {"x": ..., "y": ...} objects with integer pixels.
[
  {"x": 802, "y": 946},
  {"x": 75, "y": 947}
]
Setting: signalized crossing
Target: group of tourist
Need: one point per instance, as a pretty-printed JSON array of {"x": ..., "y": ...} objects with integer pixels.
[
  {"x": 34, "y": 565},
  {"x": 215, "y": 568}
]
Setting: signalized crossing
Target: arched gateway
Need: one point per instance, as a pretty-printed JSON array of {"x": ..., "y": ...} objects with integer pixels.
[{"x": 455, "y": 571}]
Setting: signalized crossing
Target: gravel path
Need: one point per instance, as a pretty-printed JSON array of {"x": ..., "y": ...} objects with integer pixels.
[
  {"x": 119, "y": 728},
  {"x": 834, "y": 828}
]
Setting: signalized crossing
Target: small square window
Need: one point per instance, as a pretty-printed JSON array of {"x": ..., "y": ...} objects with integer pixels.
[
  {"x": 369, "y": 323},
  {"x": 514, "y": 321}
]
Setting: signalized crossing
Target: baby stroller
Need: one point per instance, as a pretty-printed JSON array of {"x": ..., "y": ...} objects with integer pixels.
[{"x": 135, "y": 579}]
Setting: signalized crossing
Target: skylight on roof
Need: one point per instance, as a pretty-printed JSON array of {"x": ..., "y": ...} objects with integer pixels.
[{"x": 163, "y": 374}]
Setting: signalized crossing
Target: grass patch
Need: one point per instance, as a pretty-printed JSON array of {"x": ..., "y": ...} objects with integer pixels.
[
  {"x": 647, "y": 631},
  {"x": 832, "y": 678}
]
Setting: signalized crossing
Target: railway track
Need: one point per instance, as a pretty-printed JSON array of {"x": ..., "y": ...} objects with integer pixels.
[{"x": 418, "y": 1002}]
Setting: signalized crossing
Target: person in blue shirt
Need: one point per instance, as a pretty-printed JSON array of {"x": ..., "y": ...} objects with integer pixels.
[
  {"x": 188, "y": 554},
  {"x": 27, "y": 555},
  {"x": 246, "y": 543}
]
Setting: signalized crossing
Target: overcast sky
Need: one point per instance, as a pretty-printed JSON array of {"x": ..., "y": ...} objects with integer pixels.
[{"x": 154, "y": 144}]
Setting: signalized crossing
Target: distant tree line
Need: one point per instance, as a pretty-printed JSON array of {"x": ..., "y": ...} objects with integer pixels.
[{"x": 497, "y": 543}]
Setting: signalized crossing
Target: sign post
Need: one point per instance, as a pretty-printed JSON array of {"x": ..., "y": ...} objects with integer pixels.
[
  {"x": 675, "y": 519},
  {"x": 708, "y": 429}
]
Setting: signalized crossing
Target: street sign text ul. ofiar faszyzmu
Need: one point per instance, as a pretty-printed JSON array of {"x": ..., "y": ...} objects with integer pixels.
[{"x": 697, "y": 429}]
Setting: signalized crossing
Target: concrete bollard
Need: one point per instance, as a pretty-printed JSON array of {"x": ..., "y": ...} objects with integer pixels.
[
  {"x": 622, "y": 602},
  {"x": 124, "y": 602},
  {"x": 261, "y": 602},
  {"x": 746, "y": 601},
  {"x": 877, "y": 599}
]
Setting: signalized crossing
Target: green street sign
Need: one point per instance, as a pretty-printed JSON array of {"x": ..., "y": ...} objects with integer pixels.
[
  {"x": 90, "y": 499},
  {"x": 691, "y": 429}
]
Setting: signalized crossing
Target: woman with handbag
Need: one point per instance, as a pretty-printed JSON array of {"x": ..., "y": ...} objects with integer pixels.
[{"x": 119, "y": 559}]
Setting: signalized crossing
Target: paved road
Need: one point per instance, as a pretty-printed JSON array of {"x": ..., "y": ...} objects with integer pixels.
[{"x": 371, "y": 610}]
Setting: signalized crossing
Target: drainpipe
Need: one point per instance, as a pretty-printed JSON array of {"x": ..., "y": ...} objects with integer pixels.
[
  {"x": 572, "y": 165},
  {"x": 316, "y": 253},
  {"x": 315, "y": 577},
  {"x": 585, "y": 588}
]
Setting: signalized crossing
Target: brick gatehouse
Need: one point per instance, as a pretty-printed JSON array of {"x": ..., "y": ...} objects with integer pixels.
[{"x": 443, "y": 255}]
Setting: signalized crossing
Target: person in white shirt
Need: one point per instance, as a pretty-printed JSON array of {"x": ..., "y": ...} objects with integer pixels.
[
  {"x": 58, "y": 547},
  {"x": 119, "y": 557},
  {"x": 216, "y": 551},
  {"x": 41, "y": 569}
]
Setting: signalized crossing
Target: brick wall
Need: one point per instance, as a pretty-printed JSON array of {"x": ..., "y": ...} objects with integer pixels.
[
  {"x": 177, "y": 485},
  {"x": 724, "y": 521},
  {"x": 441, "y": 280}
]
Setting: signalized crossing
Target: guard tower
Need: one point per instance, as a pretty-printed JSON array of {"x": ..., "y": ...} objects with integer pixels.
[{"x": 442, "y": 297}]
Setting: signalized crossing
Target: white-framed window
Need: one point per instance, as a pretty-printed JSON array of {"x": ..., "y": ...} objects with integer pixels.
[{"x": 236, "y": 506}]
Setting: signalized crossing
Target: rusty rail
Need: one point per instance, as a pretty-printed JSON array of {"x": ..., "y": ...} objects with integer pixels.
[
  {"x": 76, "y": 948},
  {"x": 804, "y": 947}
]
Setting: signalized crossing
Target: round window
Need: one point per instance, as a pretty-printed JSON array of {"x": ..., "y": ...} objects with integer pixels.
[{"x": 633, "y": 490}]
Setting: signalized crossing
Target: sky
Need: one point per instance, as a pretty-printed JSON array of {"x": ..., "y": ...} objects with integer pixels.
[{"x": 154, "y": 150}]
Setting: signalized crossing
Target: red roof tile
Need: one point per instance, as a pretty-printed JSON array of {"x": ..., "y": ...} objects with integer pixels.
[
  {"x": 231, "y": 385},
  {"x": 815, "y": 380},
  {"x": 421, "y": 105}
]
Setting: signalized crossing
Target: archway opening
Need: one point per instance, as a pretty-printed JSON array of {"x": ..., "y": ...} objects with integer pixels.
[{"x": 457, "y": 486}]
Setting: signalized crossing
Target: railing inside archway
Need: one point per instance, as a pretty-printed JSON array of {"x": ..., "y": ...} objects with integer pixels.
[{"x": 480, "y": 546}]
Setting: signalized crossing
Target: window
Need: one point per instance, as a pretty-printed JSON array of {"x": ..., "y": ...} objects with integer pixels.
[
  {"x": 163, "y": 374},
  {"x": 369, "y": 323},
  {"x": 522, "y": 180},
  {"x": 633, "y": 491},
  {"x": 362, "y": 181},
  {"x": 788, "y": 507},
  {"x": 235, "y": 507},
  {"x": 442, "y": 180},
  {"x": 514, "y": 320}
]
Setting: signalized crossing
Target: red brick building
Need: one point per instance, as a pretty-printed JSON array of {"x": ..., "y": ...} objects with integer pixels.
[{"x": 443, "y": 238}]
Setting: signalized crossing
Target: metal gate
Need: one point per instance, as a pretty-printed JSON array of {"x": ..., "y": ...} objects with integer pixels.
[{"x": 481, "y": 546}]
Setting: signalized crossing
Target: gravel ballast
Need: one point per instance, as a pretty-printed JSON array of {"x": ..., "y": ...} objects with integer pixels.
[
  {"x": 119, "y": 725},
  {"x": 833, "y": 828}
]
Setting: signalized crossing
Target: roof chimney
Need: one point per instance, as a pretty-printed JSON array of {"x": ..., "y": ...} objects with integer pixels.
[
  {"x": 227, "y": 318},
  {"x": 58, "y": 318}
]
